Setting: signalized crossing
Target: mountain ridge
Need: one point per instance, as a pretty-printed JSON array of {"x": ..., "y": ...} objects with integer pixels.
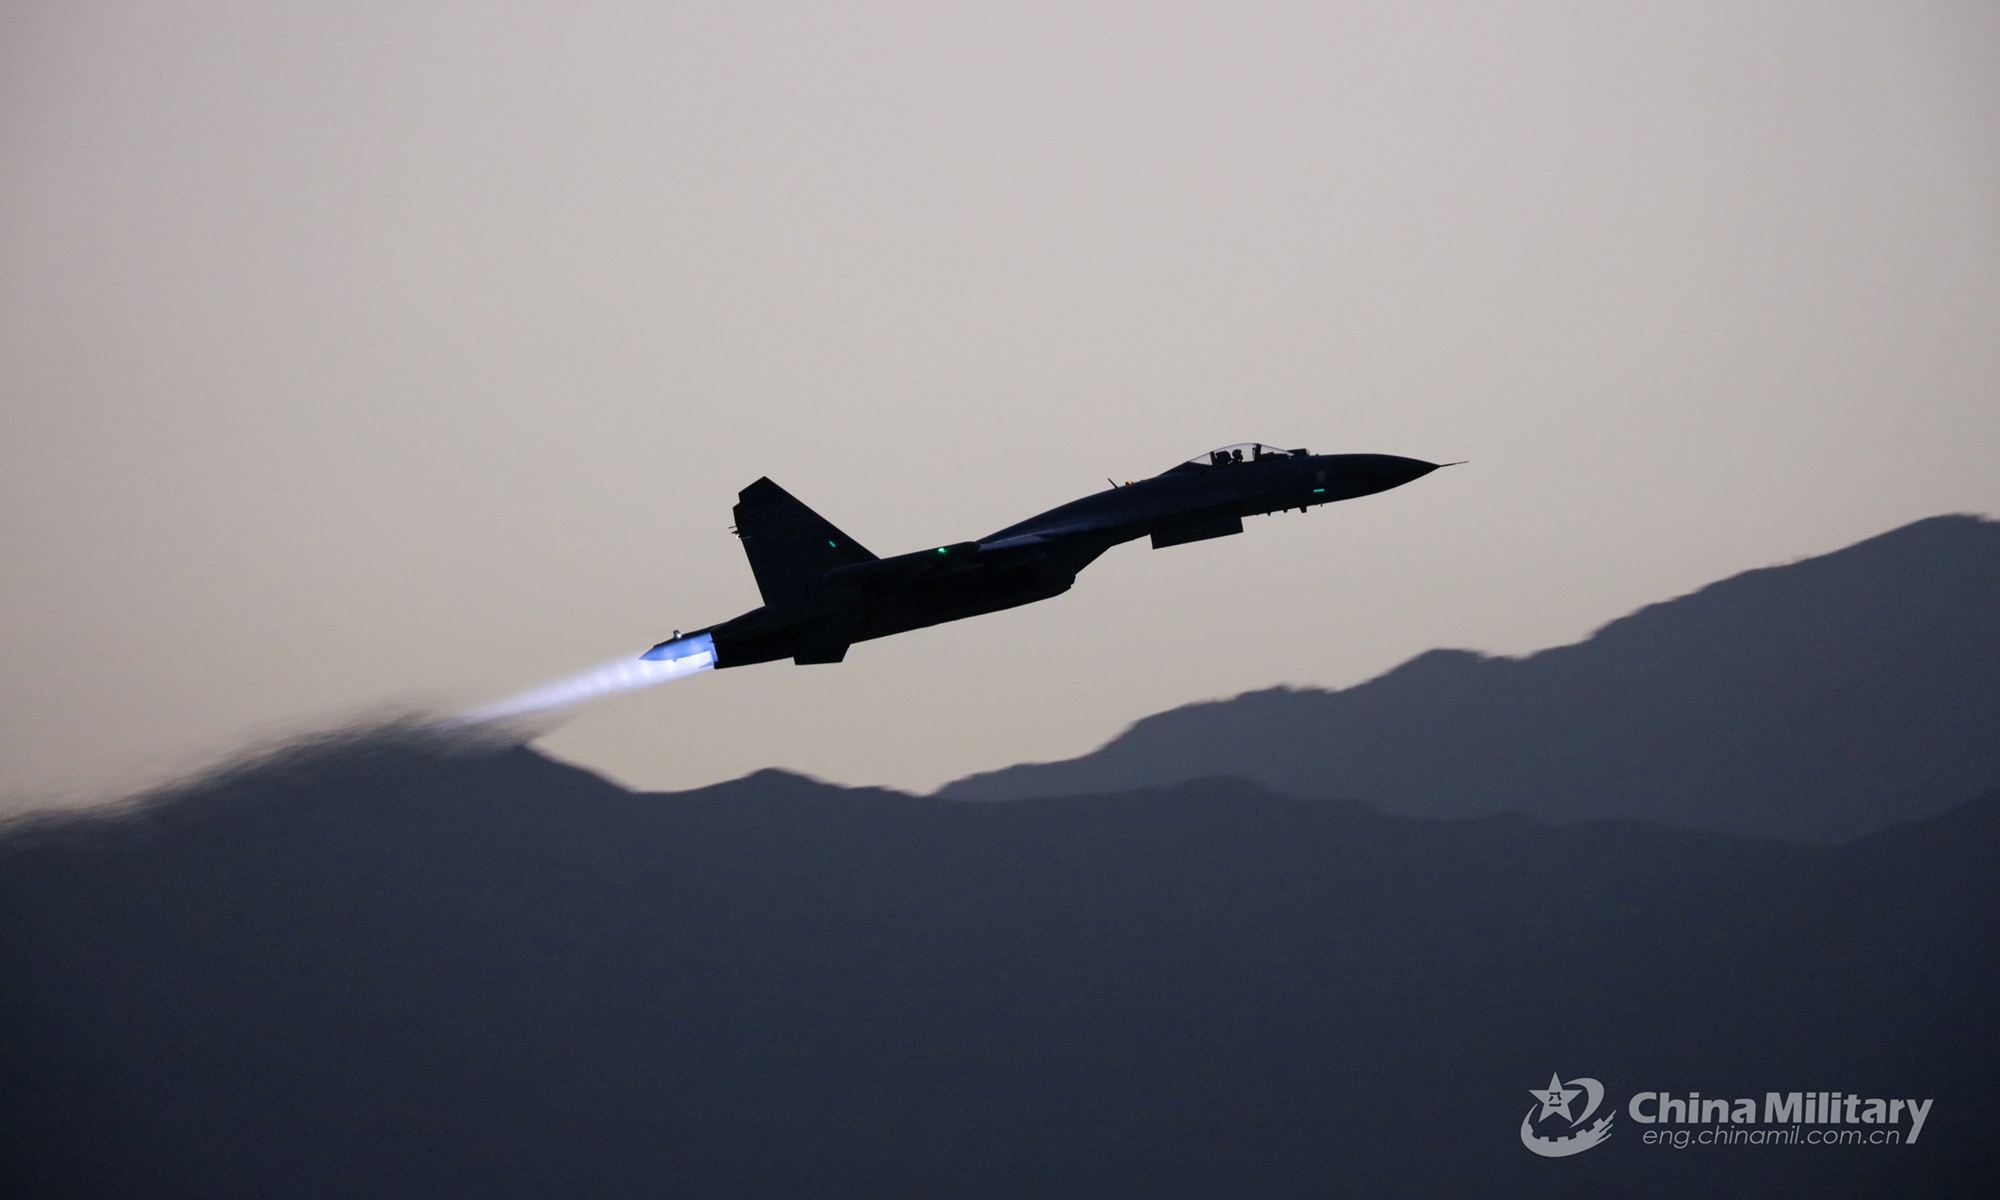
[
  {"x": 391, "y": 966},
  {"x": 1818, "y": 699}
]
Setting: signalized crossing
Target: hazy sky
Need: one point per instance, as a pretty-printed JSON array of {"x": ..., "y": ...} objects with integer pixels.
[{"x": 360, "y": 355}]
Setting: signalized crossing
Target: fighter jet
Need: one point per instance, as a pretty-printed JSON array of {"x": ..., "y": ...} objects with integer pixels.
[{"x": 823, "y": 592}]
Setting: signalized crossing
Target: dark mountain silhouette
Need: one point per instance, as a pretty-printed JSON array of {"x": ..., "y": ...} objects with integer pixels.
[
  {"x": 389, "y": 967},
  {"x": 1817, "y": 700}
]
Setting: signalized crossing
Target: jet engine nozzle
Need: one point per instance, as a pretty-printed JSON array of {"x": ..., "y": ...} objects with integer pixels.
[{"x": 675, "y": 649}]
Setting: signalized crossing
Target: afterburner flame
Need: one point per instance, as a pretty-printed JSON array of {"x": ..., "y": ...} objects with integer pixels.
[{"x": 685, "y": 656}]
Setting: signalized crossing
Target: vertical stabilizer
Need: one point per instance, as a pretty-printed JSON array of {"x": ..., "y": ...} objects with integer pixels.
[{"x": 790, "y": 546}]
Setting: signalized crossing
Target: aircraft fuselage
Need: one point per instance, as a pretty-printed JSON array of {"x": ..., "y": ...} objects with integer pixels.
[{"x": 823, "y": 592}]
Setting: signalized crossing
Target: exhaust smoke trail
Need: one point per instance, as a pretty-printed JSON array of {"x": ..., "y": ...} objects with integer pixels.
[{"x": 669, "y": 660}]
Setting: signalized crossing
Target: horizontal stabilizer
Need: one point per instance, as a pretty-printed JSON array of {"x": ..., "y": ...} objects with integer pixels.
[
  {"x": 830, "y": 653},
  {"x": 790, "y": 546}
]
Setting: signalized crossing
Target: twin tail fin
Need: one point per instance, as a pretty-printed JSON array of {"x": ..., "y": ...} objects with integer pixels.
[{"x": 790, "y": 546}]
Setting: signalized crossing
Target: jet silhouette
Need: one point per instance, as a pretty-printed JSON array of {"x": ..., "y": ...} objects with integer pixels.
[{"x": 823, "y": 592}]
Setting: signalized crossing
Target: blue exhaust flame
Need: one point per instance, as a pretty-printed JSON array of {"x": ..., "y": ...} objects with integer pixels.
[{"x": 668, "y": 660}]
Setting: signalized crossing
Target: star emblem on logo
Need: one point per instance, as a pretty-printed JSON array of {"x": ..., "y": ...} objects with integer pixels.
[
  {"x": 1555, "y": 1101},
  {"x": 1555, "y": 1098}
]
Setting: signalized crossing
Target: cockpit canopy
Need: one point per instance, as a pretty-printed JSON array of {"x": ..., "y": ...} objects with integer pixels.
[{"x": 1241, "y": 452}]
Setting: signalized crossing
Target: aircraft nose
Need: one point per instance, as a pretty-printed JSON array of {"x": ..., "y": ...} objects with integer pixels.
[
  {"x": 1366, "y": 474},
  {"x": 1396, "y": 471}
]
